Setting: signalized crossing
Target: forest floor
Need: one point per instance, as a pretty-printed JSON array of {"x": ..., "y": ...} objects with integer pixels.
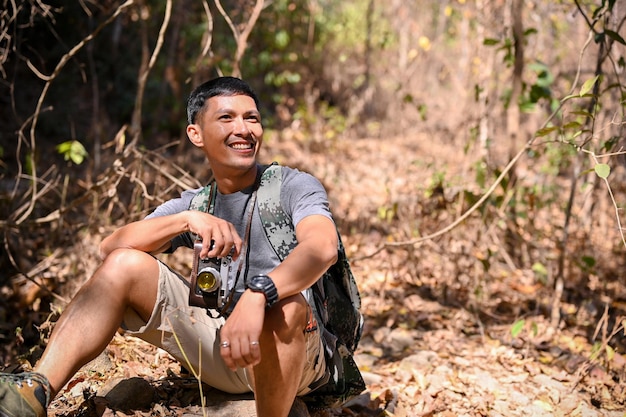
[{"x": 429, "y": 347}]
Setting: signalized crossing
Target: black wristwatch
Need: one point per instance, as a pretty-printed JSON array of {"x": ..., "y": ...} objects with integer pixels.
[{"x": 265, "y": 285}]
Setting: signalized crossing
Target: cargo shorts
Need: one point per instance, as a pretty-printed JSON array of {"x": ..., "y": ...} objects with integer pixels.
[{"x": 191, "y": 336}]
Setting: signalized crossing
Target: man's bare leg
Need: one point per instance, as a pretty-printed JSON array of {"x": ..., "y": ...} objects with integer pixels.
[
  {"x": 282, "y": 343},
  {"x": 126, "y": 279}
]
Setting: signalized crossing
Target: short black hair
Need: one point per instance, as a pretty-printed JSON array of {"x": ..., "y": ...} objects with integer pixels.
[{"x": 221, "y": 86}]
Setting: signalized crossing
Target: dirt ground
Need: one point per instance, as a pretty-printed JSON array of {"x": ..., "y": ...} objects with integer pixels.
[{"x": 425, "y": 350}]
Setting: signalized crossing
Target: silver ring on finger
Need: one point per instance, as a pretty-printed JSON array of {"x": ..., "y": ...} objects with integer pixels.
[
  {"x": 225, "y": 344},
  {"x": 255, "y": 343}
]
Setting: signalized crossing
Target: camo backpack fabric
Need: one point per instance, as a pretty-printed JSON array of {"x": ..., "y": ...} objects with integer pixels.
[{"x": 335, "y": 296}]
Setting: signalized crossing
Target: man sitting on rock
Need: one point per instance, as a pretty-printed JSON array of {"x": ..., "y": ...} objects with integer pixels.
[{"x": 267, "y": 340}]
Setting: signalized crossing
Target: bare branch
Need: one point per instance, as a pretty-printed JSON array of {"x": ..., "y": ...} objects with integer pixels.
[
  {"x": 64, "y": 60},
  {"x": 241, "y": 37},
  {"x": 207, "y": 38},
  {"x": 143, "y": 76}
]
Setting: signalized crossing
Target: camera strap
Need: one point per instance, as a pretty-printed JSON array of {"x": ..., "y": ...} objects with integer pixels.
[
  {"x": 205, "y": 201},
  {"x": 244, "y": 255}
]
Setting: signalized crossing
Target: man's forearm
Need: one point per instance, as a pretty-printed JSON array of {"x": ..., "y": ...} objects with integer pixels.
[{"x": 151, "y": 235}]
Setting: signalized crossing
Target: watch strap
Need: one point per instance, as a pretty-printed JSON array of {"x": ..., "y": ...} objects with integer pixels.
[{"x": 265, "y": 285}]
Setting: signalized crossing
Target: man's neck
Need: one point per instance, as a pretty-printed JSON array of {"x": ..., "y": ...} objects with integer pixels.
[{"x": 234, "y": 181}]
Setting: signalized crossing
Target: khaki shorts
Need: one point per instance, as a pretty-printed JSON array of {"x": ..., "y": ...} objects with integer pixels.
[{"x": 192, "y": 337}]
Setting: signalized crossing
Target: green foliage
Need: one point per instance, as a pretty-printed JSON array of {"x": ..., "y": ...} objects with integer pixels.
[
  {"x": 281, "y": 78},
  {"x": 584, "y": 91},
  {"x": 328, "y": 121},
  {"x": 507, "y": 45},
  {"x": 602, "y": 170},
  {"x": 587, "y": 263},
  {"x": 343, "y": 27},
  {"x": 520, "y": 325},
  {"x": 73, "y": 151},
  {"x": 436, "y": 182},
  {"x": 422, "y": 108},
  {"x": 517, "y": 327},
  {"x": 599, "y": 348},
  {"x": 540, "y": 89},
  {"x": 541, "y": 272},
  {"x": 388, "y": 213},
  {"x": 504, "y": 45}
]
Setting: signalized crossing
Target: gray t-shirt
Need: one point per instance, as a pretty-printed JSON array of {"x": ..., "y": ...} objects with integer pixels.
[{"x": 301, "y": 195}]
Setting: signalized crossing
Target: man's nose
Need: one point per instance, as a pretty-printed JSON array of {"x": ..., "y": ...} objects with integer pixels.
[{"x": 241, "y": 127}]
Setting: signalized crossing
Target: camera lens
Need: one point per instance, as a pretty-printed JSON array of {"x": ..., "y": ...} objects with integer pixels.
[{"x": 208, "y": 280}]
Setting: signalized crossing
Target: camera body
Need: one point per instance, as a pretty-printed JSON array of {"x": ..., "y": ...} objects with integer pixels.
[{"x": 209, "y": 280}]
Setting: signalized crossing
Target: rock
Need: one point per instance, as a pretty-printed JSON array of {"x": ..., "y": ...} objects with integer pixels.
[
  {"x": 101, "y": 364},
  {"x": 372, "y": 378},
  {"x": 225, "y": 405},
  {"x": 131, "y": 394}
]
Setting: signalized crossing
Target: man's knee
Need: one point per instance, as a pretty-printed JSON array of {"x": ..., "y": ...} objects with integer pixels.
[
  {"x": 126, "y": 266},
  {"x": 288, "y": 316},
  {"x": 127, "y": 260}
]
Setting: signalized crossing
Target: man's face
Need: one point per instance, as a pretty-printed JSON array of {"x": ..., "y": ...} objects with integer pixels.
[{"x": 230, "y": 132}]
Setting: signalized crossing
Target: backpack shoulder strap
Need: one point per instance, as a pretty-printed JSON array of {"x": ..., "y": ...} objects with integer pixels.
[
  {"x": 276, "y": 223},
  {"x": 204, "y": 200}
]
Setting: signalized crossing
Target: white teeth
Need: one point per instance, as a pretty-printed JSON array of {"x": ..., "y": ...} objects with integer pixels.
[{"x": 241, "y": 146}]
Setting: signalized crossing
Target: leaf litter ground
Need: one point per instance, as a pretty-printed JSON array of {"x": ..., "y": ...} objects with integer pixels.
[{"x": 431, "y": 346}]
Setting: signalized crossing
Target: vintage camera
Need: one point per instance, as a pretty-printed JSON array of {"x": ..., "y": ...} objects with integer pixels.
[{"x": 209, "y": 280}]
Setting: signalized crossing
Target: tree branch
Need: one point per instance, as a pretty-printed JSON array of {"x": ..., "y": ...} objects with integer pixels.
[{"x": 64, "y": 60}]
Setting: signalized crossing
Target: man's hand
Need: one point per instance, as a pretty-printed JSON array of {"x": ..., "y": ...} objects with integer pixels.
[
  {"x": 239, "y": 338},
  {"x": 219, "y": 237}
]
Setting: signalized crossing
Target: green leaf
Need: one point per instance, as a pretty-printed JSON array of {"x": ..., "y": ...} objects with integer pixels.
[
  {"x": 490, "y": 41},
  {"x": 546, "y": 131},
  {"x": 572, "y": 125},
  {"x": 282, "y": 39},
  {"x": 530, "y": 31},
  {"x": 602, "y": 170},
  {"x": 540, "y": 270},
  {"x": 615, "y": 36},
  {"x": 588, "y": 85},
  {"x": 610, "y": 353},
  {"x": 596, "y": 349},
  {"x": 517, "y": 327},
  {"x": 72, "y": 150},
  {"x": 583, "y": 113},
  {"x": 64, "y": 147},
  {"x": 589, "y": 261}
]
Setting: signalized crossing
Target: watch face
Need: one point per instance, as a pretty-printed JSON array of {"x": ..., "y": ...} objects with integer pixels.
[
  {"x": 264, "y": 284},
  {"x": 256, "y": 282}
]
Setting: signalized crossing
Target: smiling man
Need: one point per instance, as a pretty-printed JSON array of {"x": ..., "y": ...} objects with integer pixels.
[{"x": 261, "y": 335}]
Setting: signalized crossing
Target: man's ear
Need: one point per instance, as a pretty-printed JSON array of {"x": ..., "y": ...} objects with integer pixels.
[{"x": 194, "y": 135}]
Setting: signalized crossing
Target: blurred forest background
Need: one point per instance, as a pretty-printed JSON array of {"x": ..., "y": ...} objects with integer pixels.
[{"x": 473, "y": 150}]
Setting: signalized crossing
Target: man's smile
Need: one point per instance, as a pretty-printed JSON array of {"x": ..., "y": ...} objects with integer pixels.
[{"x": 241, "y": 146}]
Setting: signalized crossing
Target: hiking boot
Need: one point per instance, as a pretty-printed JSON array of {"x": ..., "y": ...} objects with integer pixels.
[{"x": 24, "y": 395}]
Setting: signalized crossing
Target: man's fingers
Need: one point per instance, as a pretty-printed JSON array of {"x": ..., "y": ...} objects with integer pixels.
[
  {"x": 226, "y": 352},
  {"x": 241, "y": 355},
  {"x": 219, "y": 237},
  {"x": 225, "y": 242}
]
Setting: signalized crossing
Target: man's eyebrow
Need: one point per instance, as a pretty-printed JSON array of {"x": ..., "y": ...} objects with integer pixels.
[{"x": 228, "y": 110}]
